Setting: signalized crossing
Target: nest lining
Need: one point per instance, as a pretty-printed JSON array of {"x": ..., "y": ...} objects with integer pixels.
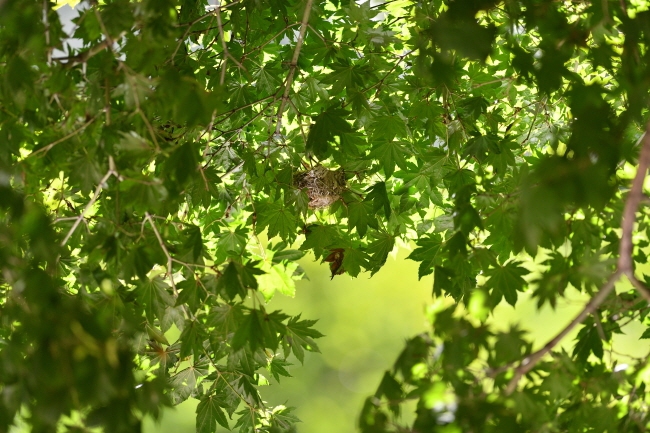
[{"x": 323, "y": 186}]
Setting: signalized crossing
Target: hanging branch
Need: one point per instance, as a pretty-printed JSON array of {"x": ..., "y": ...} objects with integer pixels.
[
  {"x": 624, "y": 266},
  {"x": 170, "y": 263},
  {"x": 168, "y": 256},
  {"x": 293, "y": 65},
  {"x": 224, "y": 46}
]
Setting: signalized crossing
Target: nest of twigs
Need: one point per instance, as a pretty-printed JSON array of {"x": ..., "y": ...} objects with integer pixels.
[{"x": 323, "y": 186}]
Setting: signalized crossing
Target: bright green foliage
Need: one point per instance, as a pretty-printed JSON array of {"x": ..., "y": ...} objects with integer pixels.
[{"x": 148, "y": 209}]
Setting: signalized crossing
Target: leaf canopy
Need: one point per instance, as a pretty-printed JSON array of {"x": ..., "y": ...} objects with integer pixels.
[{"x": 148, "y": 166}]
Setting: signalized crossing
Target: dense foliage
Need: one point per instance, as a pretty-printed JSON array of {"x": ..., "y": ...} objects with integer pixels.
[{"x": 159, "y": 184}]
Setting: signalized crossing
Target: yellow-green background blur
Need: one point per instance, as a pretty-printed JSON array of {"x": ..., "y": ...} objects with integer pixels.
[{"x": 365, "y": 322}]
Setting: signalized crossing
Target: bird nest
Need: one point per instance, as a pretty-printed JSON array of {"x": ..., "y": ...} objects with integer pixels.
[{"x": 323, "y": 186}]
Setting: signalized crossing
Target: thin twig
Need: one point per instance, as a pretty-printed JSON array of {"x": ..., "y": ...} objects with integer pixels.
[
  {"x": 46, "y": 24},
  {"x": 111, "y": 172},
  {"x": 220, "y": 376},
  {"x": 487, "y": 83},
  {"x": 83, "y": 56},
  {"x": 107, "y": 98},
  {"x": 634, "y": 199},
  {"x": 380, "y": 83},
  {"x": 61, "y": 140},
  {"x": 259, "y": 47},
  {"x": 624, "y": 7},
  {"x": 223, "y": 46},
  {"x": 625, "y": 265},
  {"x": 170, "y": 260},
  {"x": 293, "y": 65},
  {"x": 204, "y": 16}
]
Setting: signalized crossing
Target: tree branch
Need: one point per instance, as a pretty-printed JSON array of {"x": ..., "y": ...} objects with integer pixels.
[
  {"x": 170, "y": 260},
  {"x": 293, "y": 65},
  {"x": 224, "y": 46},
  {"x": 634, "y": 198},
  {"x": 111, "y": 172},
  {"x": 529, "y": 362},
  {"x": 625, "y": 266}
]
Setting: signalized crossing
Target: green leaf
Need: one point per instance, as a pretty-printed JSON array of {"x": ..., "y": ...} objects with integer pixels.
[
  {"x": 224, "y": 318},
  {"x": 183, "y": 162},
  {"x": 193, "y": 241},
  {"x": 231, "y": 283},
  {"x": 379, "y": 249},
  {"x": 346, "y": 75},
  {"x": 282, "y": 418},
  {"x": 279, "y": 278},
  {"x": 287, "y": 256},
  {"x": 277, "y": 368},
  {"x": 427, "y": 253},
  {"x": 465, "y": 35},
  {"x": 144, "y": 194},
  {"x": 507, "y": 280},
  {"x": 360, "y": 216},
  {"x": 318, "y": 237},
  {"x": 354, "y": 260},
  {"x": 327, "y": 125},
  {"x": 192, "y": 338},
  {"x": 392, "y": 390},
  {"x": 300, "y": 337},
  {"x": 646, "y": 334},
  {"x": 387, "y": 128},
  {"x": 379, "y": 197},
  {"x": 208, "y": 414},
  {"x": 191, "y": 293},
  {"x": 443, "y": 281},
  {"x": 233, "y": 240},
  {"x": 481, "y": 146},
  {"x": 280, "y": 220},
  {"x": 588, "y": 342},
  {"x": 250, "y": 332},
  {"x": 389, "y": 154},
  {"x": 184, "y": 382},
  {"x": 155, "y": 296}
]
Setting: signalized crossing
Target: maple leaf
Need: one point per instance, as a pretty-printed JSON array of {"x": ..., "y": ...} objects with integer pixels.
[{"x": 327, "y": 125}]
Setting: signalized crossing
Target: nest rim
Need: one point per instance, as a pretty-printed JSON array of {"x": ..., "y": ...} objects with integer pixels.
[{"x": 323, "y": 186}]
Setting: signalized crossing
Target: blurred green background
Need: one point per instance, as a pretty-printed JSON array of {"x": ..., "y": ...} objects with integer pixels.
[{"x": 365, "y": 322}]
